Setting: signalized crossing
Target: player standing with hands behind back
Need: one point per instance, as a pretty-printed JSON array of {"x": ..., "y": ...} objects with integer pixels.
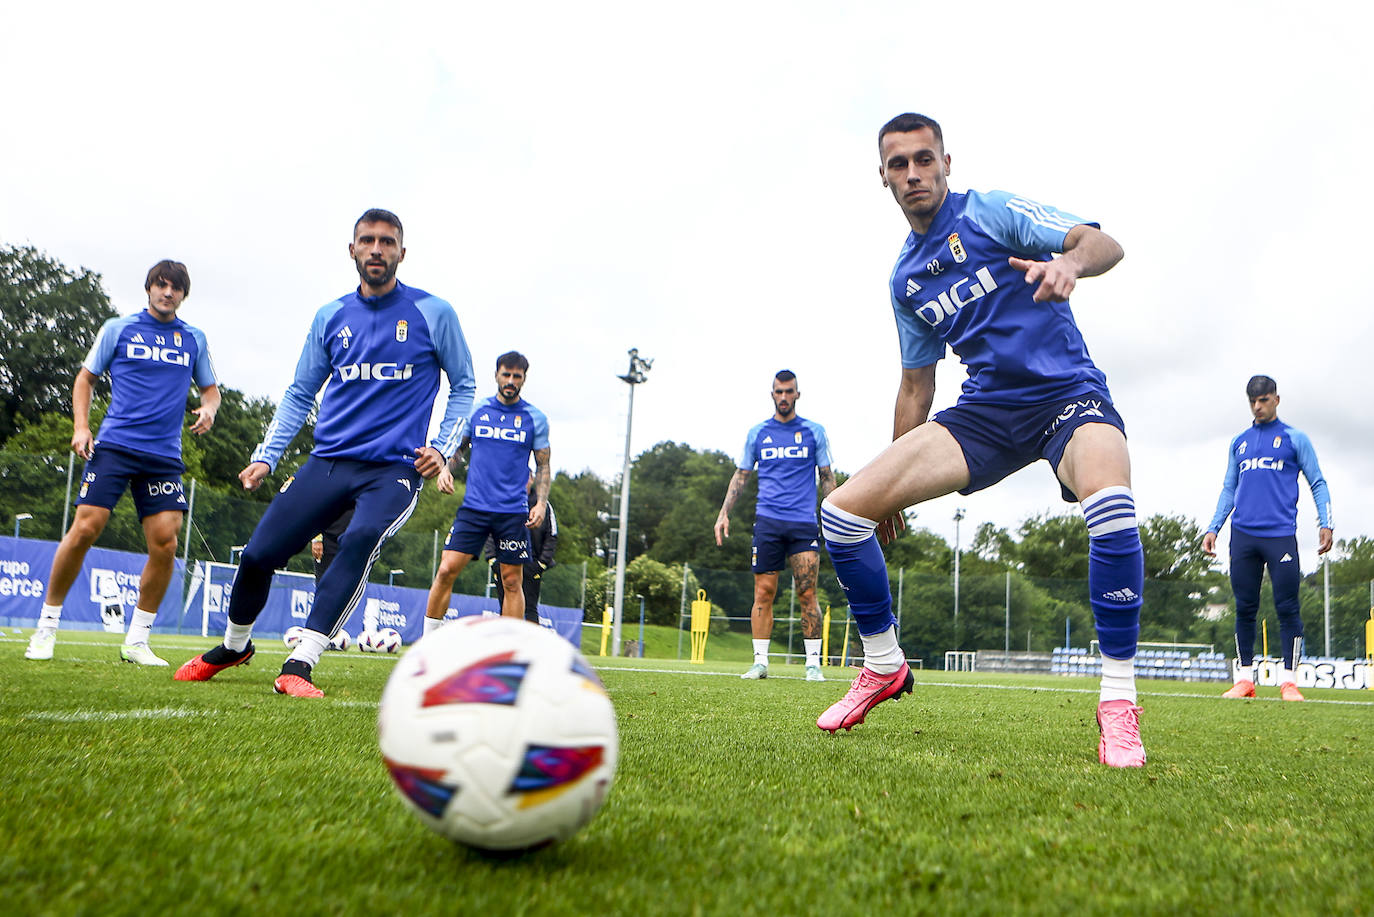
[{"x": 1262, "y": 486}]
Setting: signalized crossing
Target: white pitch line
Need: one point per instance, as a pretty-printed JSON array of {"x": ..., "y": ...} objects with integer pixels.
[{"x": 100, "y": 716}]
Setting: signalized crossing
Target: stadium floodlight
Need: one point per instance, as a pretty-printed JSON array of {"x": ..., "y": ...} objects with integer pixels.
[
  {"x": 391, "y": 576},
  {"x": 235, "y": 549},
  {"x": 18, "y": 518},
  {"x": 638, "y": 372},
  {"x": 958, "y": 517}
]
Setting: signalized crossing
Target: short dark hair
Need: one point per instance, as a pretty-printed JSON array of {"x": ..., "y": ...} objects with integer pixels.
[
  {"x": 908, "y": 122},
  {"x": 784, "y": 375},
  {"x": 513, "y": 359},
  {"x": 377, "y": 215},
  {"x": 174, "y": 272},
  {"x": 1259, "y": 386}
]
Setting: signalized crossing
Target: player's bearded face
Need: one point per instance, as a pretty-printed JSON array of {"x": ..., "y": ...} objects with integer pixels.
[
  {"x": 785, "y": 400},
  {"x": 375, "y": 268},
  {"x": 377, "y": 251},
  {"x": 509, "y": 382}
]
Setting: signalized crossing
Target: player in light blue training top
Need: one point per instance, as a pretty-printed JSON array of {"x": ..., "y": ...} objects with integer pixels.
[
  {"x": 1262, "y": 487},
  {"x": 978, "y": 275},
  {"x": 791, "y": 453},
  {"x": 381, "y": 350},
  {"x": 503, "y": 432},
  {"x": 153, "y": 359}
]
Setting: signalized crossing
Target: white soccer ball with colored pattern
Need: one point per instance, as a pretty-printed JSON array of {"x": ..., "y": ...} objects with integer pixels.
[{"x": 498, "y": 734}]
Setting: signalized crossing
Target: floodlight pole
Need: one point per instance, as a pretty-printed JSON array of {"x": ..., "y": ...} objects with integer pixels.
[{"x": 639, "y": 371}]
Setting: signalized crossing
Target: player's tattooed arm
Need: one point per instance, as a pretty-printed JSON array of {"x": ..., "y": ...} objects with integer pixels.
[
  {"x": 444, "y": 481},
  {"x": 542, "y": 479},
  {"x": 731, "y": 495},
  {"x": 827, "y": 480}
]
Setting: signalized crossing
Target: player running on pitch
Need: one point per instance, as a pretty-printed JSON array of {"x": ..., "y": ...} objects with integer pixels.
[
  {"x": 153, "y": 357},
  {"x": 791, "y": 452},
  {"x": 977, "y": 275},
  {"x": 381, "y": 349},
  {"x": 1262, "y": 486},
  {"x": 503, "y": 431}
]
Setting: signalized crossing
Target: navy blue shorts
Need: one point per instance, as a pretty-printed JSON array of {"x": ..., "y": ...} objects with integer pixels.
[
  {"x": 998, "y": 439},
  {"x": 154, "y": 481},
  {"x": 776, "y": 540},
  {"x": 471, "y": 527}
]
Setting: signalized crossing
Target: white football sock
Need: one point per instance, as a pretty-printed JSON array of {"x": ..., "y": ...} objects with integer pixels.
[
  {"x": 431, "y": 625},
  {"x": 813, "y": 651},
  {"x": 236, "y": 636},
  {"x": 1118, "y": 679},
  {"x": 1245, "y": 672},
  {"x": 140, "y": 628},
  {"x": 49, "y": 619},
  {"x": 882, "y": 654},
  {"x": 310, "y": 648},
  {"x": 761, "y": 652}
]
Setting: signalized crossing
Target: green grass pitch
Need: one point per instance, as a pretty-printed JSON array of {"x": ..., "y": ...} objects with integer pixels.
[{"x": 126, "y": 792}]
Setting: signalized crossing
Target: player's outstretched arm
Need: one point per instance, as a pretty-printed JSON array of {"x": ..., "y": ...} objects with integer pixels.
[
  {"x": 731, "y": 495},
  {"x": 1088, "y": 252}
]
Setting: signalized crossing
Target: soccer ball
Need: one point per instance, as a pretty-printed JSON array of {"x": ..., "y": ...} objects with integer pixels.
[
  {"x": 498, "y": 734},
  {"x": 292, "y": 635},
  {"x": 340, "y": 641},
  {"x": 387, "y": 640}
]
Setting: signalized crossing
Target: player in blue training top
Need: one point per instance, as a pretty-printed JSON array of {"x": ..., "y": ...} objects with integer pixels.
[
  {"x": 790, "y": 453},
  {"x": 977, "y": 275},
  {"x": 153, "y": 358},
  {"x": 503, "y": 432},
  {"x": 1261, "y": 485},
  {"x": 381, "y": 350}
]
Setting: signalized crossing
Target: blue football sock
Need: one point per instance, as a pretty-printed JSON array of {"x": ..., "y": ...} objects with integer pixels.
[
  {"x": 1116, "y": 570},
  {"x": 859, "y": 566}
]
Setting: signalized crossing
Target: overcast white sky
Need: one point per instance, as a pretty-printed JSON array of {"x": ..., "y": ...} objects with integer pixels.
[{"x": 699, "y": 181}]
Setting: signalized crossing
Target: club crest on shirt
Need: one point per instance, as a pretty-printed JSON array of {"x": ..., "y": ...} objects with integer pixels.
[
  {"x": 1277, "y": 440},
  {"x": 956, "y": 248},
  {"x": 517, "y": 420},
  {"x": 796, "y": 437},
  {"x": 402, "y": 329},
  {"x": 176, "y": 338}
]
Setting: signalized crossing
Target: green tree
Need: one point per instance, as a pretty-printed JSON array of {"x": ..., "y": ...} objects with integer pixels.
[
  {"x": 661, "y": 586},
  {"x": 49, "y": 316}
]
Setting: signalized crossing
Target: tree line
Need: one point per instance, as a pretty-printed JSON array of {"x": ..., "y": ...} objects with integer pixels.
[{"x": 1020, "y": 587}]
